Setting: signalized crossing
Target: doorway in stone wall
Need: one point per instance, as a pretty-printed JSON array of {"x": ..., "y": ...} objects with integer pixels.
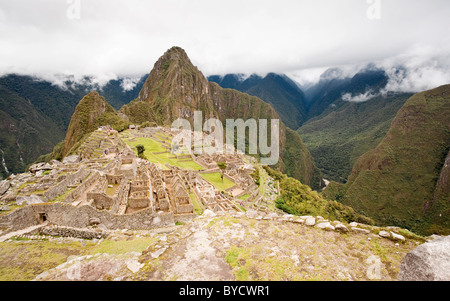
[{"x": 42, "y": 217}]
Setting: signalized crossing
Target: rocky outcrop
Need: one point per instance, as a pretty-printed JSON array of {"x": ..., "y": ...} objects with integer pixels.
[
  {"x": 29, "y": 200},
  {"x": 4, "y": 186},
  {"x": 428, "y": 262}
]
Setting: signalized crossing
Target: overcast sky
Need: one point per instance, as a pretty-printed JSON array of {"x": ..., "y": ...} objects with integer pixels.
[{"x": 107, "y": 38}]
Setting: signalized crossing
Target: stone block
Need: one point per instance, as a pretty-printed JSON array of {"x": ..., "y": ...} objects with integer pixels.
[{"x": 428, "y": 262}]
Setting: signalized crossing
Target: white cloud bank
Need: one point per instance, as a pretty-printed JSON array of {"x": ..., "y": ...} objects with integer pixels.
[{"x": 114, "y": 38}]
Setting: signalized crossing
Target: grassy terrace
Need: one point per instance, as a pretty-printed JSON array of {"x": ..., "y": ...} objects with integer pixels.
[
  {"x": 216, "y": 180},
  {"x": 244, "y": 197},
  {"x": 153, "y": 146}
]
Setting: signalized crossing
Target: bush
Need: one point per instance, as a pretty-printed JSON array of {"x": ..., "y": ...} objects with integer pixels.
[{"x": 298, "y": 199}]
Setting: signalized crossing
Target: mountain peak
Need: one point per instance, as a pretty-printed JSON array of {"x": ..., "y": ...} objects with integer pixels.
[
  {"x": 174, "y": 79},
  {"x": 173, "y": 55},
  {"x": 176, "y": 50},
  {"x": 91, "y": 112}
]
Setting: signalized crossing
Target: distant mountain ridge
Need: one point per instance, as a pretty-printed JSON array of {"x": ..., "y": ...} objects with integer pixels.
[
  {"x": 276, "y": 89},
  {"x": 339, "y": 118},
  {"x": 333, "y": 86}
]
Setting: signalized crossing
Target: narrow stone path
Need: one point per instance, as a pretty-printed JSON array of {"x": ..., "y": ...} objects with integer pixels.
[{"x": 21, "y": 232}]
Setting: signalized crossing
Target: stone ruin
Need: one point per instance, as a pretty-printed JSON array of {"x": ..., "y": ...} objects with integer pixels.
[{"x": 107, "y": 181}]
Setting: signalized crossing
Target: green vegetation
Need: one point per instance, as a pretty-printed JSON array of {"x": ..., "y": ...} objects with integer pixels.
[
  {"x": 216, "y": 179},
  {"x": 36, "y": 113},
  {"x": 61, "y": 197},
  {"x": 244, "y": 197},
  {"x": 255, "y": 176},
  {"x": 140, "y": 151},
  {"x": 298, "y": 199},
  {"x": 25, "y": 133},
  {"x": 110, "y": 191},
  {"x": 23, "y": 261},
  {"x": 122, "y": 246},
  {"x": 153, "y": 153},
  {"x": 222, "y": 166},
  {"x": 277, "y": 90},
  {"x": 297, "y": 162},
  {"x": 91, "y": 112},
  {"x": 394, "y": 182},
  {"x": 198, "y": 206},
  {"x": 339, "y": 136}
]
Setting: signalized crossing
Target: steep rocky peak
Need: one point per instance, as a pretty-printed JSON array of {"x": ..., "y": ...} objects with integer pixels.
[
  {"x": 174, "y": 76},
  {"x": 175, "y": 54}
]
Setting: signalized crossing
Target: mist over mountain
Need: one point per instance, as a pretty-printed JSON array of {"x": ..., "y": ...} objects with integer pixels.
[{"x": 56, "y": 96}]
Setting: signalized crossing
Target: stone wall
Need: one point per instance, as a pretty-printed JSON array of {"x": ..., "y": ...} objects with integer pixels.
[
  {"x": 69, "y": 180},
  {"x": 121, "y": 196},
  {"x": 81, "y": 188},
  {"x": 71, "y": 232},
  {"x": 114, "y": 179},
  {"x": 20, "y": 218},
  {"x": 184, "y": 218},
  {"x": 101, "y": 200},
  {"x": 187, "y": 208},
  {"x": 79, "y": 217},
  {"x": 139, "y": 202}
]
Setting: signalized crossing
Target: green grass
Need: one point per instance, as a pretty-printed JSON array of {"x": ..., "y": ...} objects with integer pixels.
[
  {"x": 123, "y": 246},
  {"x": 153, "y": 146},
  {"x": 244, "y": 197},
  {"x": 163, "y": 136},
  {"x": 216, "y": 180},
  {"x": 110, "y": 191},
  {"x": 23, "y": 260},
  {"x": 63, "y": 196},
  {"x": 198, "y": 207}
]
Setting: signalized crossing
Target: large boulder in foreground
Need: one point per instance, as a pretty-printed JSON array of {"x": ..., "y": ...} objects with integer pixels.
[{"x": 428, "y": 262}]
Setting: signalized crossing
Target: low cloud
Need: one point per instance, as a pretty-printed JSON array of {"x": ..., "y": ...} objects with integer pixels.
[
  {"x": 423, "y": 67},
  {"x": 129, "y": 83},
  {"x": 416, "y": 79},
  {"x": 359, "y": 97},
  {"x": 298, "y": 38}
]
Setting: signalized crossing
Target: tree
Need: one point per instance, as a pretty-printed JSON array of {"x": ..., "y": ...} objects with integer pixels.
[
  {"x": 222, "y": 166},
  {"x": 140, "y": 149}
]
